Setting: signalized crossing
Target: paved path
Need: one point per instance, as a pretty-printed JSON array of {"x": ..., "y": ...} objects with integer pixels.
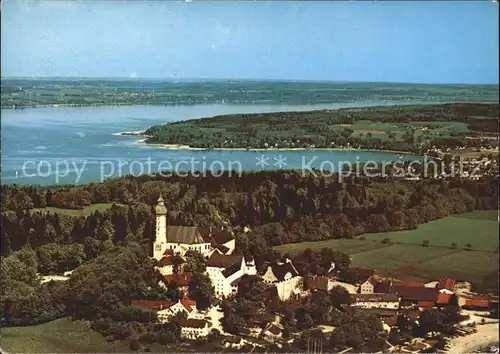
[{"x": 485, "y": 335}]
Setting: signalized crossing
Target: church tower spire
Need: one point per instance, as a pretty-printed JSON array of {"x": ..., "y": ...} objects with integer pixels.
[
  {"x": 160, "y": 208},
  {"x": 160, "y": 244}
]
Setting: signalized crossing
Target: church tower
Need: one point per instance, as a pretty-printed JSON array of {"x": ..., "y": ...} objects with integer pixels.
[{"x": 160, "y": 244}]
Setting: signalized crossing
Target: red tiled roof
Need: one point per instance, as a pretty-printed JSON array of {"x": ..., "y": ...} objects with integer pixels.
[
  {"x": 168, "y": 252},
  {"x": 426, "y": 304},
  {"x": 444, "y": 298},
  {"x": 153, "y": 304},
  {"x": 477, "y": 303},
  {"x": 190, "y": 305},
  {"x": 415, "y": 293},
  {"x": 181, "y": 279},
  {"x": 446, "y": 283}
]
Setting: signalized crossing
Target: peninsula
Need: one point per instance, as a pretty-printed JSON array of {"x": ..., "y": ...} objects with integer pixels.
[{"x": 415, "y": 129}]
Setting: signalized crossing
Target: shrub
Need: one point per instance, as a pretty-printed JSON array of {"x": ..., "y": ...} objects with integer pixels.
[
  {"x": 134, "y": 345},
  {"x": 425, "y": 243},
  {"x": 386, "y": 240}
]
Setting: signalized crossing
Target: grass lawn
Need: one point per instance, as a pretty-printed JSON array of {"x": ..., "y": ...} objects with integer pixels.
[
  {"x": 77, "y": 212},
  {"x": 63, "y": 336},
  {"x": 491, "y": 215},
  {"x": 405, "y": 258},
  {"x": 59, "y": 336}
]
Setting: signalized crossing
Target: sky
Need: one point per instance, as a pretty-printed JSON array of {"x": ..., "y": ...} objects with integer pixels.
[{"x": 420, "y": 42}]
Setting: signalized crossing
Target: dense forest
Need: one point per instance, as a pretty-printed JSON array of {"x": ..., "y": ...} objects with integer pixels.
[
  {"x": 278, "y": 206},
  {"x": 402, "y": 128}
]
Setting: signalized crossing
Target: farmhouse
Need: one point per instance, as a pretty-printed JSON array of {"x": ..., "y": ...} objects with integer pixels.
[
  {"x": 374, "y": 286},
  {"x": 474, "y": 301},
  {"x": 192, "y": 328},
  {"x": 446, "y": 285},
  {"x": 285, "y": 277},
  {"x": 180, "y": 239},
  {"x": 224, "y": 271},
  {"x": 165, "y": 309},
  {"x": 368, "y": 286},
  {"x": 422, "y": 296},
  {"x": 387, "y": 301}
]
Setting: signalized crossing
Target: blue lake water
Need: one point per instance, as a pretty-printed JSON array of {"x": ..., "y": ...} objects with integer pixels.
[{"x": 77, "y": 145}]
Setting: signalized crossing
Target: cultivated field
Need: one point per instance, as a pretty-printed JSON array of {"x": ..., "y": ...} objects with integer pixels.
[
  {"x": 479, "y": 228},
  {"x": 405, "y": 257}
]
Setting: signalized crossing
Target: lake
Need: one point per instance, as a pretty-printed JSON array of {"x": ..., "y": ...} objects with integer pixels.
[{"x": 79, "y": 145}]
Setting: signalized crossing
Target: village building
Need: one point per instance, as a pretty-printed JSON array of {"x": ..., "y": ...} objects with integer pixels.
[
  {"x": 417, "y": 295},
  {"x": 224, "y": 271},
  {"x": 166, "y": 264},
  {"x": 446, "y": 285},
  {"x": 272, "y": 333},
  {"x": 368, "y": 286},
  {"x": 193, "y": 328},
  {"x": 473, "y": 301},
  {"x": 325, "y": 283},
  {"x": 316, "y": 282},
  {"x": 166, "y": 309},
  {"x": 180, "y": 239},
  {"x": 387, "y": 301},
  {"x": 233, "y": 342},
  {"x": 285, "y": 278},
  {"x": 462, "y": 287},
  {"x": 221, "y": 240},
  {"x": 182, "y": 281}
]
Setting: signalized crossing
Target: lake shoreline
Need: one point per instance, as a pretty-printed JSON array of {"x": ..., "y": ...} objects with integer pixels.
[{"x": 189, "y": 148}]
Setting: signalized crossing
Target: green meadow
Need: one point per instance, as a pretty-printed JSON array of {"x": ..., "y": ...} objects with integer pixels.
[
  {"x": 66, "y": 336},
  {"x": 405, "y": 257}
]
